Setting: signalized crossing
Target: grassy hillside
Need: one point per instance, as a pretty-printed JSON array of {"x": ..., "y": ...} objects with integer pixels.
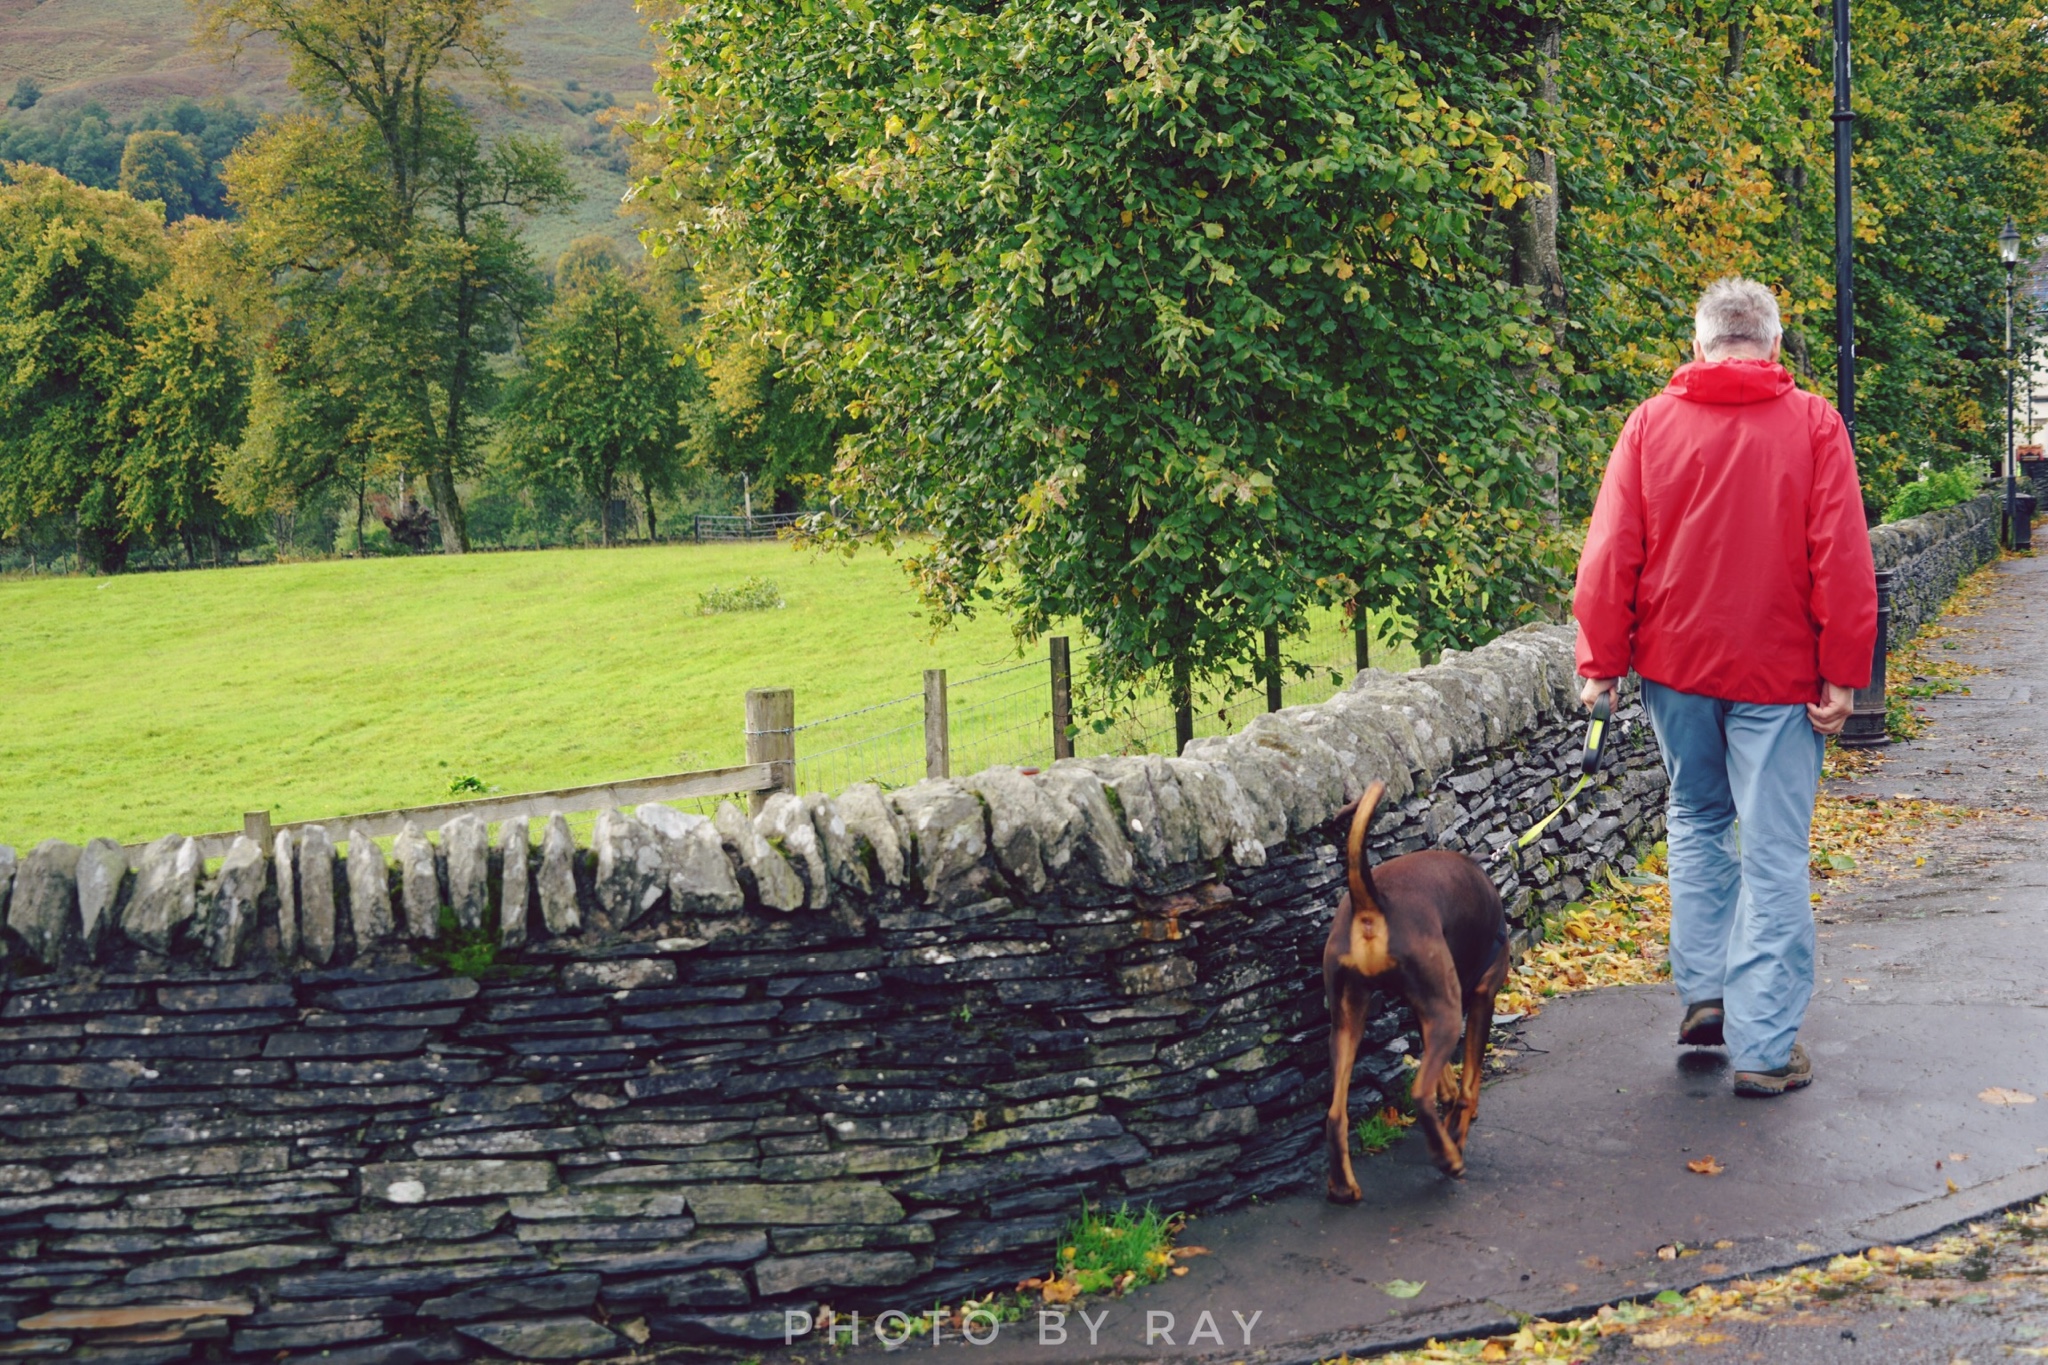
[
  {"x": 151, "y": 703},
  {"x": 128, "y": 54}
]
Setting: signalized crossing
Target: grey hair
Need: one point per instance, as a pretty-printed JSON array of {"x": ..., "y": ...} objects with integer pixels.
[{"x": 1735, "y": 312}]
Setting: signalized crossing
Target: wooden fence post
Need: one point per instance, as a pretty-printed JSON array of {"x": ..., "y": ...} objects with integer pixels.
[
  {"x": 771, "y": 738},
  {"x": 938, "y": 759},
  {"x": 256, "y": 824},
  {"x": 1272, "y": 668},
  {"x": 1062, "y": 699}
]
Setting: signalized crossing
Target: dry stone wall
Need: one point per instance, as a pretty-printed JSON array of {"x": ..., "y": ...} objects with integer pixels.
[
  {"x": 869, "y": 1050},
  {"x": 1928, "y": 555}
]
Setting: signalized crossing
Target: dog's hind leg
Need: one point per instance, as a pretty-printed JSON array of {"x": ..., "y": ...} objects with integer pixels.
[
  {"x": 1440, "y": 1021},
  {"x": 1478, "y": 1032},
  {"x": 1350, "y": 1007}
]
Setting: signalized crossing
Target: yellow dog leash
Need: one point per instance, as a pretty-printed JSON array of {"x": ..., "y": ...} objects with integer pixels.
[{"x": 1589, "y": 767}]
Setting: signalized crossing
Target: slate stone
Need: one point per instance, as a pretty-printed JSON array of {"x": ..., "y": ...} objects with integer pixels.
[
  {"x": 611, "y": 1230},
  {"x": 418, "y": 887},
  {"x": 8, "y": 864},
  {"x": 785, "y": 821},
  {"x": 516, "y": 893},
  {"x": 316, "y": 895},
  {"x": 766, "y": 1325},
  {"x": 226, "y": 997},
  {"x": 63, "y": 1002},
  {"x": 43, "y": 912},
  {"x": 72, "y": 1076},
  {"x": 775, "y": 881},
  {"x": 714, "y": 1287},
  {"x": 446, "y": 1070},
  {"x": 281, "y": 1256},
  {"x": 25, "y": 1180},
  {"x": 382, "y": 1227},
  {"x": 795, "y": 1205},
  {"x": 102, "y": 869},
  {"x": 700, "y": 876},
  {"x": 182, "y": 1163},
  {"x": 547, "y": 1338},
  {"x": 401, "y": 994},
  {"x": 717, "y": 1248},
  {"x": 963, "y": 1180},
  {"x": 893, "y": 1236},
  {"x": 557, "y": 879},
  {"x": 305, "y": 1336},
  {"x": 328, "y": 1310},
  {"x": 838, "y": 1269},
  {"x": 627, "y": 974},
  {"x": 543, "y": 1294},
  {"x": 369, "y": 890},
  {"x": 466, "y": 842},
  {"x": 118, "y": 1317},
  {"x": 609, "y": 1204},
  {"x": 243, "y": 875},
  {"x": 631, "y": 878},
  {"x": 417, "y": 1182},
  {"x": 517, "y": 1142},
  {"x": 395, "y": 1042},
  {"x": 416, "y": 1280},
  {"x": 405, "y": 1351}
]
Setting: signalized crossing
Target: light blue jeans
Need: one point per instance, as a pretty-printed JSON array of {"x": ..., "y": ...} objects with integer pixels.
[{"x": 1741, "y": 913}]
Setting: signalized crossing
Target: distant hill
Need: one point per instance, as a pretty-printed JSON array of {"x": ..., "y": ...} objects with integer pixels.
[{"x": 579, "y": 57}]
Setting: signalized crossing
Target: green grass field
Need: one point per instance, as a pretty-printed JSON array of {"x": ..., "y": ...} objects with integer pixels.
[{"x": 152, "y": 703}]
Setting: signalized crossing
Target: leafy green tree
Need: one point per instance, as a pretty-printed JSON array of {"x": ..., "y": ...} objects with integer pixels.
[
  {"x": 383, "y": 209},
  {"x": 27, "y": 91},
  {"x": 1177, "y": 322},
  {"x": 601, "y": 395},
  {"x": 181, "y": 406},
  {"x": 75, "y": 263},
  {"x": 164, "y": 166}
]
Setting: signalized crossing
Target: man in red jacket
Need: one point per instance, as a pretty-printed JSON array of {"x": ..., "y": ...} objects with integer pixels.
[{"x": 1729, "y": 565}]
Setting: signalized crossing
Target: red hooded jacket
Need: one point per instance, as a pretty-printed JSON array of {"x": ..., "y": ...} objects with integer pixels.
[{"x": 1728, "y": 556}]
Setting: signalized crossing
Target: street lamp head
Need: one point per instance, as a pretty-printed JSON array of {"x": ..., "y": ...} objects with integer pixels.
[{"x": 2009, "y": 244}]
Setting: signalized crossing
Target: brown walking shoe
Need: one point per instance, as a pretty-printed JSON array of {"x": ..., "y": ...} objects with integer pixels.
[
  {"x": 1702, "y": 1025},
  {"x": 1796, "y": 1074}
]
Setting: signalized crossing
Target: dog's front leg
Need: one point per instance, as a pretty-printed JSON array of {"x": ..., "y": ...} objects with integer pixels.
[{"x": 1350, "y": 1007}]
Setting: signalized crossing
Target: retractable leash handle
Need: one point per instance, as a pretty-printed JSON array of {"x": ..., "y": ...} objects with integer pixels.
[{"x": 1589, "y": 768}]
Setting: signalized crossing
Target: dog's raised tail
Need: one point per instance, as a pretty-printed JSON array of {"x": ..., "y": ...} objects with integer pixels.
[{"x": 1363, "y": 893}]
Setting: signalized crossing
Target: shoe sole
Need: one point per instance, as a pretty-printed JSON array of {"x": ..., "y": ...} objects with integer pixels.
[
  {"x": 1752, "y": 1086},
  {"x": 1704, "y": 1033}
]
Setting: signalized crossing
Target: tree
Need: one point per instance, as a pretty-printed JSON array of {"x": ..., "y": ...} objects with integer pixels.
[
  {"x": 27, "y": 90},
  {"x": 181, "y": 406},
  {"x": 1178, "y": 323},
  {"x": 601, "y": 394},
  {"x": 75, "y": 264},
  {"x": 164, "y": 166},
  {"x": 385, "y": 201}
]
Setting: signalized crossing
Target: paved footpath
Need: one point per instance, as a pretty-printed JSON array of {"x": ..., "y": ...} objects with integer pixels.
[{"x": 1934, "y": 982}]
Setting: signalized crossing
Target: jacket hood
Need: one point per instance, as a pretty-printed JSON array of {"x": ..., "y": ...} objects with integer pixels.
[{"x": 1730, "y": 381}]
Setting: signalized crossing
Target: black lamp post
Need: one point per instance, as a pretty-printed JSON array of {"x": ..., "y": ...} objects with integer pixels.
[
  {"x": 2009, "y": 252},
  {"x": 1845, "y": 239}
]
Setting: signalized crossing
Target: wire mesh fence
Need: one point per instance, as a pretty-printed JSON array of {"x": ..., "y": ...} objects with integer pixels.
[{"x": 1004, "y": 715}]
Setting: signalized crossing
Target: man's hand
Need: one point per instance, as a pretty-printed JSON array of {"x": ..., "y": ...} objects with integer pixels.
[
  {"x": 1830, "y": 715},
  {"x": 1590, "y": 693}
]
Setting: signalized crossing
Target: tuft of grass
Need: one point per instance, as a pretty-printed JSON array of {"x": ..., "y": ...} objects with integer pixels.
[
  {"x": 468, "y": 784},
  {"x": 754, "y": 594},
  {"x": 1379, "y": 1131},
  {"x": 1111, "y": 1253},
  {"x": 465, "y": 952}
]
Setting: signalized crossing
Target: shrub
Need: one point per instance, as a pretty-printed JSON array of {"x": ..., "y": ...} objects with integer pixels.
[
  {"x": 1933, "y": 492},
  {"x": 756, "y": 594}
]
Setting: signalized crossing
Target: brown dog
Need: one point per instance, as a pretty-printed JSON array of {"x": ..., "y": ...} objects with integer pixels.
[{"x": 1429, "y": 926}]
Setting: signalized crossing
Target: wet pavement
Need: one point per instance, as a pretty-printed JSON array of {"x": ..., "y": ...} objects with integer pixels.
[{"x": 1933, "y": 982}]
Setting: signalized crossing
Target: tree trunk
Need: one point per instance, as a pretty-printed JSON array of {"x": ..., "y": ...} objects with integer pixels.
[
  {"x": 1738, "y": 41},
  {"x": 604, "y": 510},
  {"x": 1533, "y": 234},
  {"x": 454, "y": 529},
  {"x": 361, "y": 480},
  {"x": 647, "y": 495}
]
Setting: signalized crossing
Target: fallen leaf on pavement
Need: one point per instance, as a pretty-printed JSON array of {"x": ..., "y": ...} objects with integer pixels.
[
  {"x": 1951, "y": 1187},
  {"x": 1958, "y": 1156},
  {"x": 1706, "y": 1165},
  {"x": 1403, "y": 1289},
  {"x": 1662, "y": 1337},
  {"x": 1999, "y": 1094},
  {"x": 1668, "y": 1252}
]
